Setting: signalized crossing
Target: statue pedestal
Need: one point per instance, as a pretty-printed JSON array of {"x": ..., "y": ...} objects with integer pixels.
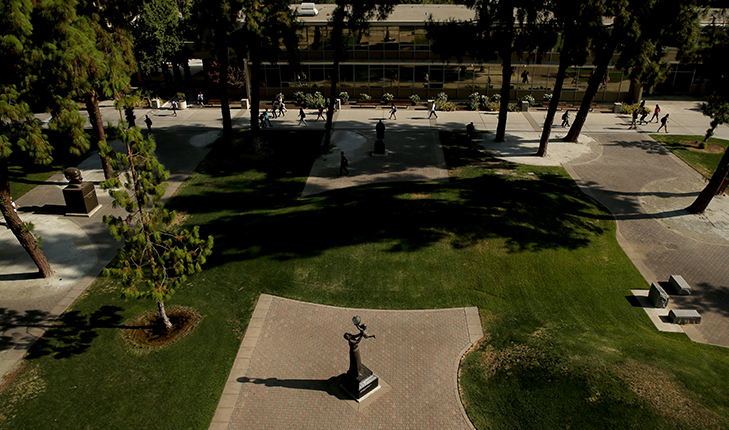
[
  {"x": 379, "y": 150},
  {"x": 360, "y": 388},
  {"x": 80, "y": 200}
]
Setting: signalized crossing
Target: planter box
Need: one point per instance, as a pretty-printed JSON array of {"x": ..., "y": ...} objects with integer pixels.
[
  {"x": 156, "y": 103},
  {"x": 182, "y": 104}
]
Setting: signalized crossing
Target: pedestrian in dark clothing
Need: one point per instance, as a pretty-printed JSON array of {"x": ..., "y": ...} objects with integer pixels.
[
  {"x": 273, "y": 109},
  {"x": 470, "y": 130},
  {"x": 302, "y": 116},
  {"x": 566, "y": 119},
  {"x": 320, "y": 114},
  {"x": 643, "y": 114},
  {"x": 282, "y": 108},
  {"x": 174, "y": 107},
  {"x": 148, "y": 121},
  {"x": 664, "y": 124},
  {"x": 343, "y": 163}
]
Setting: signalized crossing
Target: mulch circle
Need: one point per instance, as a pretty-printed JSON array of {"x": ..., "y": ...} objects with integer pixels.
[
  {"x": 695, "y": 145},
  {"x": 147, "y": 331}
]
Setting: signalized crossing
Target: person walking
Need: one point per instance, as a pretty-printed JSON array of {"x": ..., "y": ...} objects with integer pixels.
[
  {"x": 273, "y": 109},
  {"x": 320, "y": 113},
  {"x": 566, "y": 119},
  {"x": 174, "y": 107},
  {"x": 432, "y": 111},
  {"x": 664, "y": 124},
  {"x": 148, "y": 121},
  {"x": 470, "y": 131},
  {"x": 634, "y": 120},
  {"x": 643, "y": 114},
  {"x": 200, "y": 99},
  {"x": 343, "y": 163},
  {"x": 656, "y": 111},
  {"x": 393, "y": 112},
  {"x": 302, "y": 116},
  {"x": 282, "y": 108},
  {"x": 266, "y": 118}
]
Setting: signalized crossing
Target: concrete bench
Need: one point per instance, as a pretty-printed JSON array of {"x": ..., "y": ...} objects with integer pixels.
[
  {"x": 684, "y": 316},
  {"x": 658, "y": 296},
  {"x": 679, "y": 285}
]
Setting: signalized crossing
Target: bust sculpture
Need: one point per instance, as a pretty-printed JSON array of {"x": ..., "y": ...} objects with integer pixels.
[{"x": 74, "y": 176}]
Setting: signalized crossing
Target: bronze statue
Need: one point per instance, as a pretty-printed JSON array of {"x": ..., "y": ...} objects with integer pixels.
[
  {"x": 74, "y": 176},
  {"x": 356, "y": 369}
]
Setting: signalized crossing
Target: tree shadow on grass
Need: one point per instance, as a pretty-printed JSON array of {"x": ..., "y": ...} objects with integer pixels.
[
  {"x": 263, "y": 215},
  {"x": 73, "y": 333}
]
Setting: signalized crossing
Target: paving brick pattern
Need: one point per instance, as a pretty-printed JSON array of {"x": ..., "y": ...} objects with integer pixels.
[
  {"x": 628, "y": 163},
  {"x": 300, "y": 352}
]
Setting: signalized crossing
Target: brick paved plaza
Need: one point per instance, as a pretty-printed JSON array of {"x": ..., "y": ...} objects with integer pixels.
[{"x": 287, "y": 369}]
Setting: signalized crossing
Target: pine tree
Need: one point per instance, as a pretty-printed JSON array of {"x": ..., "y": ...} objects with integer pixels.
[
  {"x": 41, "y": 48},
  {"x": 155, "y": 259}
]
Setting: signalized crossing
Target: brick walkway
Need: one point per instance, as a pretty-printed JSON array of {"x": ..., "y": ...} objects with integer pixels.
[
  {"x": 628, "y": 164},
  {"x": 288, "y": 366}
]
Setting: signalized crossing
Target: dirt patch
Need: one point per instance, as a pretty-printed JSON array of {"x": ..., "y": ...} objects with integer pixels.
[
  {"x": 658, "y": 389},
  {"x": 695, "y": 145},
  {"x": 179, "y": 220},
  {"x": 149, "y": 331}
]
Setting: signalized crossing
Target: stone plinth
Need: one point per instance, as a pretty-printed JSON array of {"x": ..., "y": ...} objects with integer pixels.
[
  {"x": 658, "y": 296},
  {"x": 80, "y": 199},
  {"x": 679, "y": 285},
  {"x": 684, "y": 316},
  {"x": 360, "y": 387}
]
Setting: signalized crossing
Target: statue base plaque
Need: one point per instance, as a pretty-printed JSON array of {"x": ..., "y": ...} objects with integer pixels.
[
  {"x": 360, "y": 388},
  {"x": 80, "y": 199}
]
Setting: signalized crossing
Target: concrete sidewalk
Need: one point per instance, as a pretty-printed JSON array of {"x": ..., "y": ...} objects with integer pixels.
[{"x": 79, "y": 248}]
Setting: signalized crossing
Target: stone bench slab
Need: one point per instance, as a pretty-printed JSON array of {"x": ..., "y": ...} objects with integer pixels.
[
  {"x": 684, "y": 316},
  {"x": 679, "y": 285},
  {"x": 658, "y": 296}
]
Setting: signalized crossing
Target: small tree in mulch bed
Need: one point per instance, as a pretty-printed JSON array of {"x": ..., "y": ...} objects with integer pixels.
[{"x": 156, "y": 259}]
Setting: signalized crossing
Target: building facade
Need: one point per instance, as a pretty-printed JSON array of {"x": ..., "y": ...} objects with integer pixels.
[{"x": 395, "y": 56}]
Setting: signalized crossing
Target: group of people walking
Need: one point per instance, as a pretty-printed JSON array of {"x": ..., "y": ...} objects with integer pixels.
[{"x": 639, "y": 115}]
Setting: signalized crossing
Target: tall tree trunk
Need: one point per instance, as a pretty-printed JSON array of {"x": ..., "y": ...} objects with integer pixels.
[
  {"x": 97, "y": 123},
  {"x": 601, "y": 65},
  {"x": 188, "y": 75},
  {"x": 715, "y": 183},
  {"x": 556, "y": 95},
  {"x": 504, "y": 105},
  {"x": 13, "y": 221},
  {"x": 163, "y": 315},
  {"x": 508, "y": 21},
  {"x": 337, "y": 30},
  {"x": 255, "y": 95},
  {"x": 223, "y": 88}
]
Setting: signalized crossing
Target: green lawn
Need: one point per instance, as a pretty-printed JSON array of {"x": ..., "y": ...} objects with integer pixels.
[
  {"x": 25, "y": 174},
  {"x": 703, "y": 162},
  {"x": 564, "y": 347}
]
